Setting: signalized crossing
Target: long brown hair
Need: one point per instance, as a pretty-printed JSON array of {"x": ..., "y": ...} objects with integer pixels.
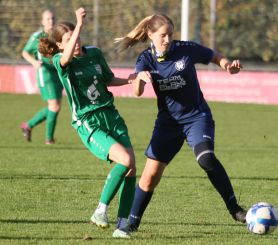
[
  {"x": 47, "y": 46},
  {"x": 140, "y": 32}
]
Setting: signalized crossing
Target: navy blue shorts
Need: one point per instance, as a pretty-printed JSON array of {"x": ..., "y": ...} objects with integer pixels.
[{"x": 168, "y": 139}]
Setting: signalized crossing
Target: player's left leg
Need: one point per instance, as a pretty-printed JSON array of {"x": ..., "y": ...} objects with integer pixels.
[
  {"x": 219, "y": 178},
  {"x": 201, "y": 139},
  {"x": 126, "y": 195}
]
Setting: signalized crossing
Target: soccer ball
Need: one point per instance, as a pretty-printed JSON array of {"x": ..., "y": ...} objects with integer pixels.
[{"x": 262, "y": 218}]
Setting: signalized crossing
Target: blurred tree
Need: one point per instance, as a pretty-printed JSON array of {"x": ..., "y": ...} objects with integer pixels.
[{"x": 244, "y": 29}]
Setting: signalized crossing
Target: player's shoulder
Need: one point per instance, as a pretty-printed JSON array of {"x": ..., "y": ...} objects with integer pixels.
[
  {"x": 92, "y": 50},
  {"x": 56, "y": 57},
  {"x": 37, "y": 34},
  {"x": 145, "y": 55},
  {"x": 179, "y": 44}
]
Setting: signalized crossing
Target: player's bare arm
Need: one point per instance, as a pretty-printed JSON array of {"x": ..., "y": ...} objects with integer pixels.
[
  {"x": 231, "y": 67},
  {"x": 31, "y": 59},
  {"x": 70, "y": 46},
  {"x": 116, "y": 81},
  {"x": 140, "y": 81}
]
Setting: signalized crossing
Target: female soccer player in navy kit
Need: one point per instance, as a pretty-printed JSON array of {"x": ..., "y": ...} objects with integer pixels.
[
  {"x": 183, "y": 113},
  {"x": 85, "y": 76}
]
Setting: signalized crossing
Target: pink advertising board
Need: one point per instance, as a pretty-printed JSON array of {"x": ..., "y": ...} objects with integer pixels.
[{"x": 245, "y": 87}]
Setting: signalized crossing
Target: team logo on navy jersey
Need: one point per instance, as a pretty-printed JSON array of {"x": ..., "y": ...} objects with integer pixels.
[{"x": 180, "y": 65}]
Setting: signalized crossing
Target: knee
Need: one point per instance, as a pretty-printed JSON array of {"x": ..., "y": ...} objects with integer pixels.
[
  {"x": 148, "y": 182},
  {"x": 208, "y": 162},
  {"x": 54, "y": 106},
  {"x": 128, "y": 160},
  {"x": 205, "y": 156}
]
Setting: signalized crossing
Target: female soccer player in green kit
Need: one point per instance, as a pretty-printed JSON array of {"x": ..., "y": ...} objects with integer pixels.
[
  {"x": 48, "y": 82},
  {"x": 85, "y": 76}
]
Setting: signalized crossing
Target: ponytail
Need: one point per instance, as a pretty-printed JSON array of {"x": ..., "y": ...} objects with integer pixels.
[
  {"x": 140, "y": 32},
  {"x": 47, "y": 47}
]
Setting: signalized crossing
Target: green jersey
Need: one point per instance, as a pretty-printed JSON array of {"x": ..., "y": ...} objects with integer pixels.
[
  {"x": 47, "y": 73},
  {"x": 85, "y": 81}
]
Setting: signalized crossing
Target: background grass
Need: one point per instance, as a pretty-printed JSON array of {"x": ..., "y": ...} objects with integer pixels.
[{"x": 48, "y": 193}]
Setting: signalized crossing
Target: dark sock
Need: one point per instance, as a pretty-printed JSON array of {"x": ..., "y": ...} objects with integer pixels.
[
  {"x": 126, "y": 196},
  {"x": 140, "y": 203},
  {"x": 220, "y": 180}
]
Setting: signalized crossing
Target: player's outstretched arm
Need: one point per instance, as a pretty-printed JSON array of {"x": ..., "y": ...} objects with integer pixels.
[
  {"x": 116, "y": 81},
  {"x": 231, "y": 67},
  {"x": 69, "y": 48}
]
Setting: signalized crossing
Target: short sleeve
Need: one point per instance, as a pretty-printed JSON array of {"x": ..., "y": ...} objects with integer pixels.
[
  {"x": 56, "y": 62},
  {"x": 31, "y": 45},
  {"x": 199, "y": 53}
]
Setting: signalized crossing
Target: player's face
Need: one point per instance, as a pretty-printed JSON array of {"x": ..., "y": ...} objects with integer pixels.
[
  {"x": 48, "y": 20},
  {"x": 65, "y": 39},
  {"x": 162, "y": 38}
]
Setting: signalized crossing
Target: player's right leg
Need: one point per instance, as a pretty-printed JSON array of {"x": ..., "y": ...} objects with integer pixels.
[
  {"x": 54, "y": 106},
  {"x": 165, "y": 143},
  {"x": 52, "y": 92},
  {"x": 126, "y": 196},
  {"x": 124, "y": 162}
]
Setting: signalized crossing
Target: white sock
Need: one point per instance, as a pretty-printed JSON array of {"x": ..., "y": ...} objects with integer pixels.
[{"x": 102, "y": 208}]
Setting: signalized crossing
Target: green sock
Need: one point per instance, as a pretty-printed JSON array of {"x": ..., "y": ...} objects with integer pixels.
[
  {"x": 113, "y": 183},
  {"x": 126, "y": 196},
  {"x": 39, "y": 117},
  {"x": 51, "y": 124}
]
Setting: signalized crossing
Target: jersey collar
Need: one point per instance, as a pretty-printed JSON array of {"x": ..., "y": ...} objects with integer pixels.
[{"x": 161, "y": 56}]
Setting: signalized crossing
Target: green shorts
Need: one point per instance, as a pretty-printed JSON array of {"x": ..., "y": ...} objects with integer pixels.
[
  {"x": 101, "y": 129},
  {"x": 51, "y": 90}
]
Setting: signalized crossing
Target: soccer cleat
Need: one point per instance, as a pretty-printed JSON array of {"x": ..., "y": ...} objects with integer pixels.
[
  {"x": 100, "y": 220},
  {"x": 26, "y": 130},
  {"x": 239, "y": 215},
  {"x": 121, "y": 233},
  {"x": 49, "y": 142}
]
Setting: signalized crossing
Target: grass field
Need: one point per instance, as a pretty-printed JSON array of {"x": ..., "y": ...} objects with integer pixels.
[{"x": 49, "y": 192}]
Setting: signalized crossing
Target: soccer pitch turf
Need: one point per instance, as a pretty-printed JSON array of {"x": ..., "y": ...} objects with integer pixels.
[{"x": 48, "y": 193}]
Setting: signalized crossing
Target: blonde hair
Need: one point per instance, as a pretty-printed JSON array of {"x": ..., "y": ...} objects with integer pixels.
[{"x": 140, "y": 32}]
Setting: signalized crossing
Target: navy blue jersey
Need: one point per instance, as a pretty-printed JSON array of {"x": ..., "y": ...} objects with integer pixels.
[{"x": 175, "y": 81}]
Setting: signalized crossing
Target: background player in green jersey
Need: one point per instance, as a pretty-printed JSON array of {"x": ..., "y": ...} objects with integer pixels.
[
  {"x": 48, "y": 82},
  {"x": 85, "y": 76}
]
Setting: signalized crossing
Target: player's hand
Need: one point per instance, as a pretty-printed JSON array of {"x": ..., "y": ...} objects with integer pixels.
[
  {"x": 234, "y": 67},
  {"x": 131, "y": 78},
  {"x": 144, "y": 76},
  {"x": 80, "y": 15}
]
